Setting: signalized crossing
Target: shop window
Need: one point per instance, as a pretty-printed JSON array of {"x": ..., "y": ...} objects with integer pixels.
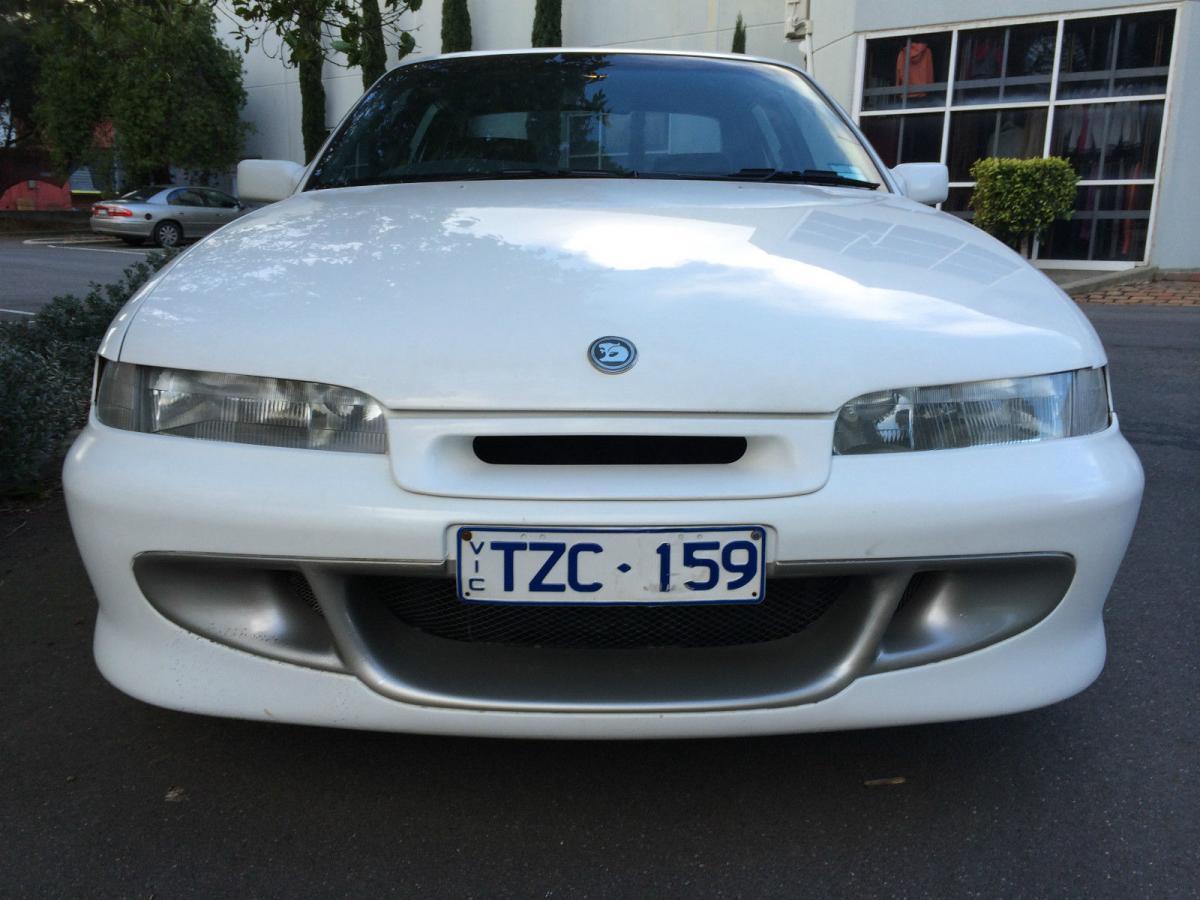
[
  {"x": 997, "y": 97},
  {"x": 900, "y": 139},
  {"x": 1110, "y": 222},
  {"x": 958, "y": 203},
  {"x": 997, "y": 65},
  {"x": 1109, "y": 140},
  {"x": 907, "y": 72},
  {"x": 1116, "y": 55},
  {"x": 977, "y": 134}
]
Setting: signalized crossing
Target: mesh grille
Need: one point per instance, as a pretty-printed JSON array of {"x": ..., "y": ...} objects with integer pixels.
[
  {"x": 431, "y": 605},
  {"x": 303, "y": 590}
]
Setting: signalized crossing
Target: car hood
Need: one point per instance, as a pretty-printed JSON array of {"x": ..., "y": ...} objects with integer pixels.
[{"x": 486, "y": 295}]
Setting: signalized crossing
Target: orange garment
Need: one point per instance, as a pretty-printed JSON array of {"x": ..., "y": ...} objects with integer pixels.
[{"x": 919, "y": 69}]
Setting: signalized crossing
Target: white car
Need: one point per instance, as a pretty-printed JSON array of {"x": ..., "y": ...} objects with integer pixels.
[{"x": 600, "y": 394}]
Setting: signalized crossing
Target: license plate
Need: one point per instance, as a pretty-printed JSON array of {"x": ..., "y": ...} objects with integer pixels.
[{"x": 612, "y": 565}]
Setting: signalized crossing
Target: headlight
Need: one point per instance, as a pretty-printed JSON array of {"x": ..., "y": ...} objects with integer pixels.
[
  {"x": 1005, "y": 411},
  {"x": 242, "y": 408}
]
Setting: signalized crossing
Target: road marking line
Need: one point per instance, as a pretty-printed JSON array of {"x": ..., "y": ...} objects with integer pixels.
[
  {"x": 97, "y": 249},
  {"x": 82, "y": 239},
  {"x": 17, "y": 312},
  {"x": 61, "y": 243}
]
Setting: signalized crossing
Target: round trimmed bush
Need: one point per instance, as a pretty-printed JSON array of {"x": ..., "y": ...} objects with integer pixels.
[{"x": 1016, "y": 200}]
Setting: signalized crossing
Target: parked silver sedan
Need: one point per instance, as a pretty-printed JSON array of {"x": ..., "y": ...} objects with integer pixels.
[{"x": 165, "y": 214}]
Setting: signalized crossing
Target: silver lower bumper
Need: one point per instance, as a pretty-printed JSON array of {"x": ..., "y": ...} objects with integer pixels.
[{"x": 892, "y": 614}]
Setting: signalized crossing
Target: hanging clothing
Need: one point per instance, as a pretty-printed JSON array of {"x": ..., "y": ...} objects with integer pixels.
[
  {"x": 1039, "y": 58},
  {"x": 982, "y": 57},
  {"x": 1015, "y": 140},
  {"x": 915, "y": 67}
]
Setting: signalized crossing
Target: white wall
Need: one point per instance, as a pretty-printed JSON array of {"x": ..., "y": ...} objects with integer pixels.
[{"x": 1174, "y": 242}]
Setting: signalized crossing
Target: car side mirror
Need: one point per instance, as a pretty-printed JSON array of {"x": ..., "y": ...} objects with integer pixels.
[
  {"x": 268, "y": 180},
  {"x": 924, "y": 182}
]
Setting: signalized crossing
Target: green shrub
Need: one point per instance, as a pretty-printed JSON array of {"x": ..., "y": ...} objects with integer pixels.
[
  {"x": 46, "y": 366},
  {"x": 1016, "y": 200}
]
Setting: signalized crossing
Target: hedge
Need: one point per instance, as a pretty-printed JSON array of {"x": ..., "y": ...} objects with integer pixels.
[
  {"x": 1016, "y": 200},
  {"x": 46, "y": 366}
]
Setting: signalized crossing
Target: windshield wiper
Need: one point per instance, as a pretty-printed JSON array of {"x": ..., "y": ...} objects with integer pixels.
[
  {"x": 563, "y": 173},
  {"x": 497, "y": 175},
  {"x": 806, "y": 176}
]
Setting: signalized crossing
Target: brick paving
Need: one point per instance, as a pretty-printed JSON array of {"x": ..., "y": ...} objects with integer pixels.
[{"x": 1174, "y": 292}]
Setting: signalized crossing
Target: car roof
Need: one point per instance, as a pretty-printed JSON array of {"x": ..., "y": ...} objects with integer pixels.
[
  {"x": 159, "y": 188},
  {"x": 607, "y": 51},
  {"x": 155, "y": 189}
]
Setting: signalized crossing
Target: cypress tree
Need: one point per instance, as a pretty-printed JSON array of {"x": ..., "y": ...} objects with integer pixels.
[
  {"x": 547, "y": 24},
  {"x": 373, "y": 56},
  {"x": 310, "y": 63},
  {"x": 739, "y": 36},
  {"x": 456, "y": 26}
]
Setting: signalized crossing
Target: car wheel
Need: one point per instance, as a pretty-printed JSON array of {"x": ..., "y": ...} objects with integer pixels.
[
  {"x": 168, "y": 234},
  {"x": 134, "y": 241}
]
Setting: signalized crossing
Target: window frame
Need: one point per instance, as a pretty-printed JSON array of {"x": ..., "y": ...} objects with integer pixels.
[{"x": 1051, "y": 104}]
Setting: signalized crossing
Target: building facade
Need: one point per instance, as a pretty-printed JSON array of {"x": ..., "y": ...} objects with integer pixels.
[{"x": 1112, "y": 86}]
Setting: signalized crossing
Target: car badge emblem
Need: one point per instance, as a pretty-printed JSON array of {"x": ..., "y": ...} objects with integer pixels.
[{"x": 612, "y": 354}]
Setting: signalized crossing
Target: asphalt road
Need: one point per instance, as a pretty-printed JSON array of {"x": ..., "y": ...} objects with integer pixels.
[
  {"x": 34, "y": 270},
  {"x": 1097, "y": 796}
]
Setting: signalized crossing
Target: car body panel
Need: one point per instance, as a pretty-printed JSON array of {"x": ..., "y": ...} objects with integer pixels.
[
  {"x": 835, "y": 292},
  {"x": 136, "y": 227}
]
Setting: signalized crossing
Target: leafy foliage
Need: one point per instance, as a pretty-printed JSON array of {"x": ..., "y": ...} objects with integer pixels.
[
  {"x": 739, "y": 36},
  {"x": 547, "y": 24},
  {"x": 46, "y": 367},
  {"x": 307, "y": 29},
  {"x": 1018, "y": 199},
  {"x": 18, "y": 72},
  {"x": 456, "y": 26},
  {"x": 169, "y": 88}
]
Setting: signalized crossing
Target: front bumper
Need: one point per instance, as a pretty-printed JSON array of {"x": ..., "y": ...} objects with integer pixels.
[{"x": 134, "y": 496}]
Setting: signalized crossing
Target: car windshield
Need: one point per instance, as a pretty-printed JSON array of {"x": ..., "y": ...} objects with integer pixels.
[
  {"x": 141, "y": 195},
  {"x": 593, "y": 115}
]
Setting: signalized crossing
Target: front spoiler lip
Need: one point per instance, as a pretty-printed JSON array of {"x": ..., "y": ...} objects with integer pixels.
[{"x": 864, "y": 632}]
